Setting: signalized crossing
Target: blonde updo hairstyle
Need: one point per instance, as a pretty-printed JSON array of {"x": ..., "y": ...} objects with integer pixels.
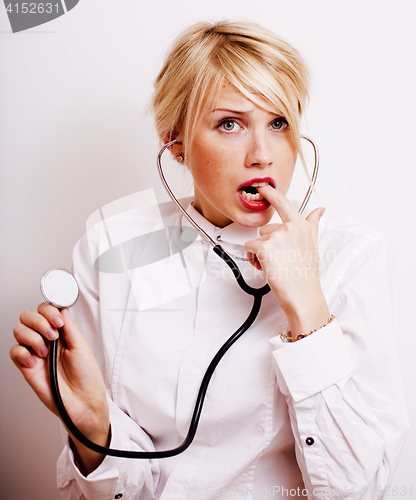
[{"x": 250, "y": 57}]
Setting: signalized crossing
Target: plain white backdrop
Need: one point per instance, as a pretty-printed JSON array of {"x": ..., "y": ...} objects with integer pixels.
[{"x": 74, "y": 135}]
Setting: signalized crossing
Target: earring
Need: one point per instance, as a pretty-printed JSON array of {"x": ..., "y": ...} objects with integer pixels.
[{"x": 180, "y": 157}]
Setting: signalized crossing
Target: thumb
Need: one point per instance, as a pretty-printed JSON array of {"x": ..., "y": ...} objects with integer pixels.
[{"x": 315, "y": 216}]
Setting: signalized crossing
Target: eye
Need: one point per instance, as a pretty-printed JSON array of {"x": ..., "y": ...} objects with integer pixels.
[
  {"x": 279, "y": 124},
  {"x": 228, "y": 125}
]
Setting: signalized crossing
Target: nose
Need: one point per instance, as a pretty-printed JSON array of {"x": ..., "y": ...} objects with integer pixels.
[{"x": 259, "y": 153}]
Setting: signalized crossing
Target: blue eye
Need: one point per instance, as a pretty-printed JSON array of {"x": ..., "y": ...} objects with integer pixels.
[{"x": 279, "y": 124}]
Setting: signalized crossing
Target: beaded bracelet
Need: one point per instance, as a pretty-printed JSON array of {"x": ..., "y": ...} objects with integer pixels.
[{"x": 303, "y": 335}]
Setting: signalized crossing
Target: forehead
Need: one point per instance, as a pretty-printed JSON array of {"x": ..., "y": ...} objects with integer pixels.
[
  {"x": 229, "y": 97},
  {"x": 228, "y": 94}
]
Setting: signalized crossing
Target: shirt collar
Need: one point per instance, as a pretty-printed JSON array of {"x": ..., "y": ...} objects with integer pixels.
[{"x": 233, "y": 233}]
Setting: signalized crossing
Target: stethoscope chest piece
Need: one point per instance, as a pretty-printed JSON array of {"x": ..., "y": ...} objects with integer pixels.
[{"x": 59, "y": 287}]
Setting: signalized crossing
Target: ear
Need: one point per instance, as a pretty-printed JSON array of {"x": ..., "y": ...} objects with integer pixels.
[{"x": 178, "y": 146}]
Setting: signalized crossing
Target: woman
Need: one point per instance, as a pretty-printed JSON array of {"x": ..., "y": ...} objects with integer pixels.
[{"x": 309, "y": 400}]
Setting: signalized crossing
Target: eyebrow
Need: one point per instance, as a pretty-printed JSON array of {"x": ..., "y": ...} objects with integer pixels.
[{"x": 235, "y": 111}]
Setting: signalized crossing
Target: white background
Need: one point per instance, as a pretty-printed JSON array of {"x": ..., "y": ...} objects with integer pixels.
[{"x": 74, "y": 135}]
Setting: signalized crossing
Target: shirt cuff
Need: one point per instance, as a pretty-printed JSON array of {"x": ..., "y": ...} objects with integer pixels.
[
  {"x": 102, "y": 483},
  {"x": 310, "y": 365},
  {"x": 105, "y": 481}
]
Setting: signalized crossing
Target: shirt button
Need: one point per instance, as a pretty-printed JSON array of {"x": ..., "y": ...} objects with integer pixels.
[
  {"x": 219, "y": 237},
  {"x": 119, "y": 495},
  {"x": 309, "y": 441}
]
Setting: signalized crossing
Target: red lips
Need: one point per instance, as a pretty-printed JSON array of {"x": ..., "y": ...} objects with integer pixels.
[
  {"x": 257, "y": 179},
  {"x": 255, "y": 206}
]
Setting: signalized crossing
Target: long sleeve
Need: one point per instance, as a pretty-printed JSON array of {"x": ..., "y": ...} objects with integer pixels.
[
  {"x": 131, "y": 479},
  {"x": 343, "y": 385},
  {"x": 115, "y": 477}
]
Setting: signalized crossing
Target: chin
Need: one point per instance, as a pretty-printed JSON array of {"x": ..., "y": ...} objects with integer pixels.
[{"x": 254, "y": 219}]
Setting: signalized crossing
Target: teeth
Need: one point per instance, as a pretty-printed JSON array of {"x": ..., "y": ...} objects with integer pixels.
[
  {"x": 260, "y": 184},
  {"x": 252, "y": 197}
]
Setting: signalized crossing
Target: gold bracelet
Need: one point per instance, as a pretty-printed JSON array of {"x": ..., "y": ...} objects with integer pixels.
[{"x": 303, "y": 335}]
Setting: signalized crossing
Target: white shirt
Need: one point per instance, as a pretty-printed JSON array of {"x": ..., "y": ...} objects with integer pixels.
[{"x": 280, "y": 419}]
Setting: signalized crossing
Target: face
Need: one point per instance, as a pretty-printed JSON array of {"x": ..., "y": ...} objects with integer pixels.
[{"x": 237, "y": 145}]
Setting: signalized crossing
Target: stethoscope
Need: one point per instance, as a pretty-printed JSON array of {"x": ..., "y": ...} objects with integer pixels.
[{"x": 60, "y": 289}]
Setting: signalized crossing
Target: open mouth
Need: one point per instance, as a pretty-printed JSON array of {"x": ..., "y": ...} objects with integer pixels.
[{"x": 250, "y": 192}]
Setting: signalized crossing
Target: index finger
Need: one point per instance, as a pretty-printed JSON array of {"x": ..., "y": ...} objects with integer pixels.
[
  {"x": 52, "y": 314},
  {"x": 284, "y": 208}
]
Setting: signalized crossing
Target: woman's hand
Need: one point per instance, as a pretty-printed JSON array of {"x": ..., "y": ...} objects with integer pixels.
[
  {"x": 80, "y": 382},
  {"x": 289, "y": 256}
]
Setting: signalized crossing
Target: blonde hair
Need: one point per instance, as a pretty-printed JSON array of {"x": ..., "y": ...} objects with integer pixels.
[{"x": 253, "y": 59}]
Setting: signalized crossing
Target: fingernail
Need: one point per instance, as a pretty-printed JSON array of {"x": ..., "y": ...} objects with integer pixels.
[
  {"x": 44, "y": 351},
  {"x": 52, "y": 334},
  {"x": 29, "y": 363},
  {"x": 57, "y": 321}
]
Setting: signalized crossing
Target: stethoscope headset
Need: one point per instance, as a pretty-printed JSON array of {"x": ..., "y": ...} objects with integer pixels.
[{"x": 60, "y": 289}]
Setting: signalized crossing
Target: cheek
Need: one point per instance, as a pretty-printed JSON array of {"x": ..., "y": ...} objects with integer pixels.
[
  {"x": 291, "y": 152},
  {"x": 287, "y": 168},
  {"x": 208, "y": 164}
]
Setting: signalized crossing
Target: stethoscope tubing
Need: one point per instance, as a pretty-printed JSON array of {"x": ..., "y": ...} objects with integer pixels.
[{"x": 257, "y": 293}]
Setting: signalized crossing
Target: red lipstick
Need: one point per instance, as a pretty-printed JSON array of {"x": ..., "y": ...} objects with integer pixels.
[
  {"x": 257, "y": 179},
  {"x": 248, "y": 196}
]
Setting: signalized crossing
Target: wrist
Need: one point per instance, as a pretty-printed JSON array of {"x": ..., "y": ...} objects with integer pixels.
[
  {"x": 310, "y": 317},
  {"x": 88, "y": 460},
  {"x": 294, "y": 338}
]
